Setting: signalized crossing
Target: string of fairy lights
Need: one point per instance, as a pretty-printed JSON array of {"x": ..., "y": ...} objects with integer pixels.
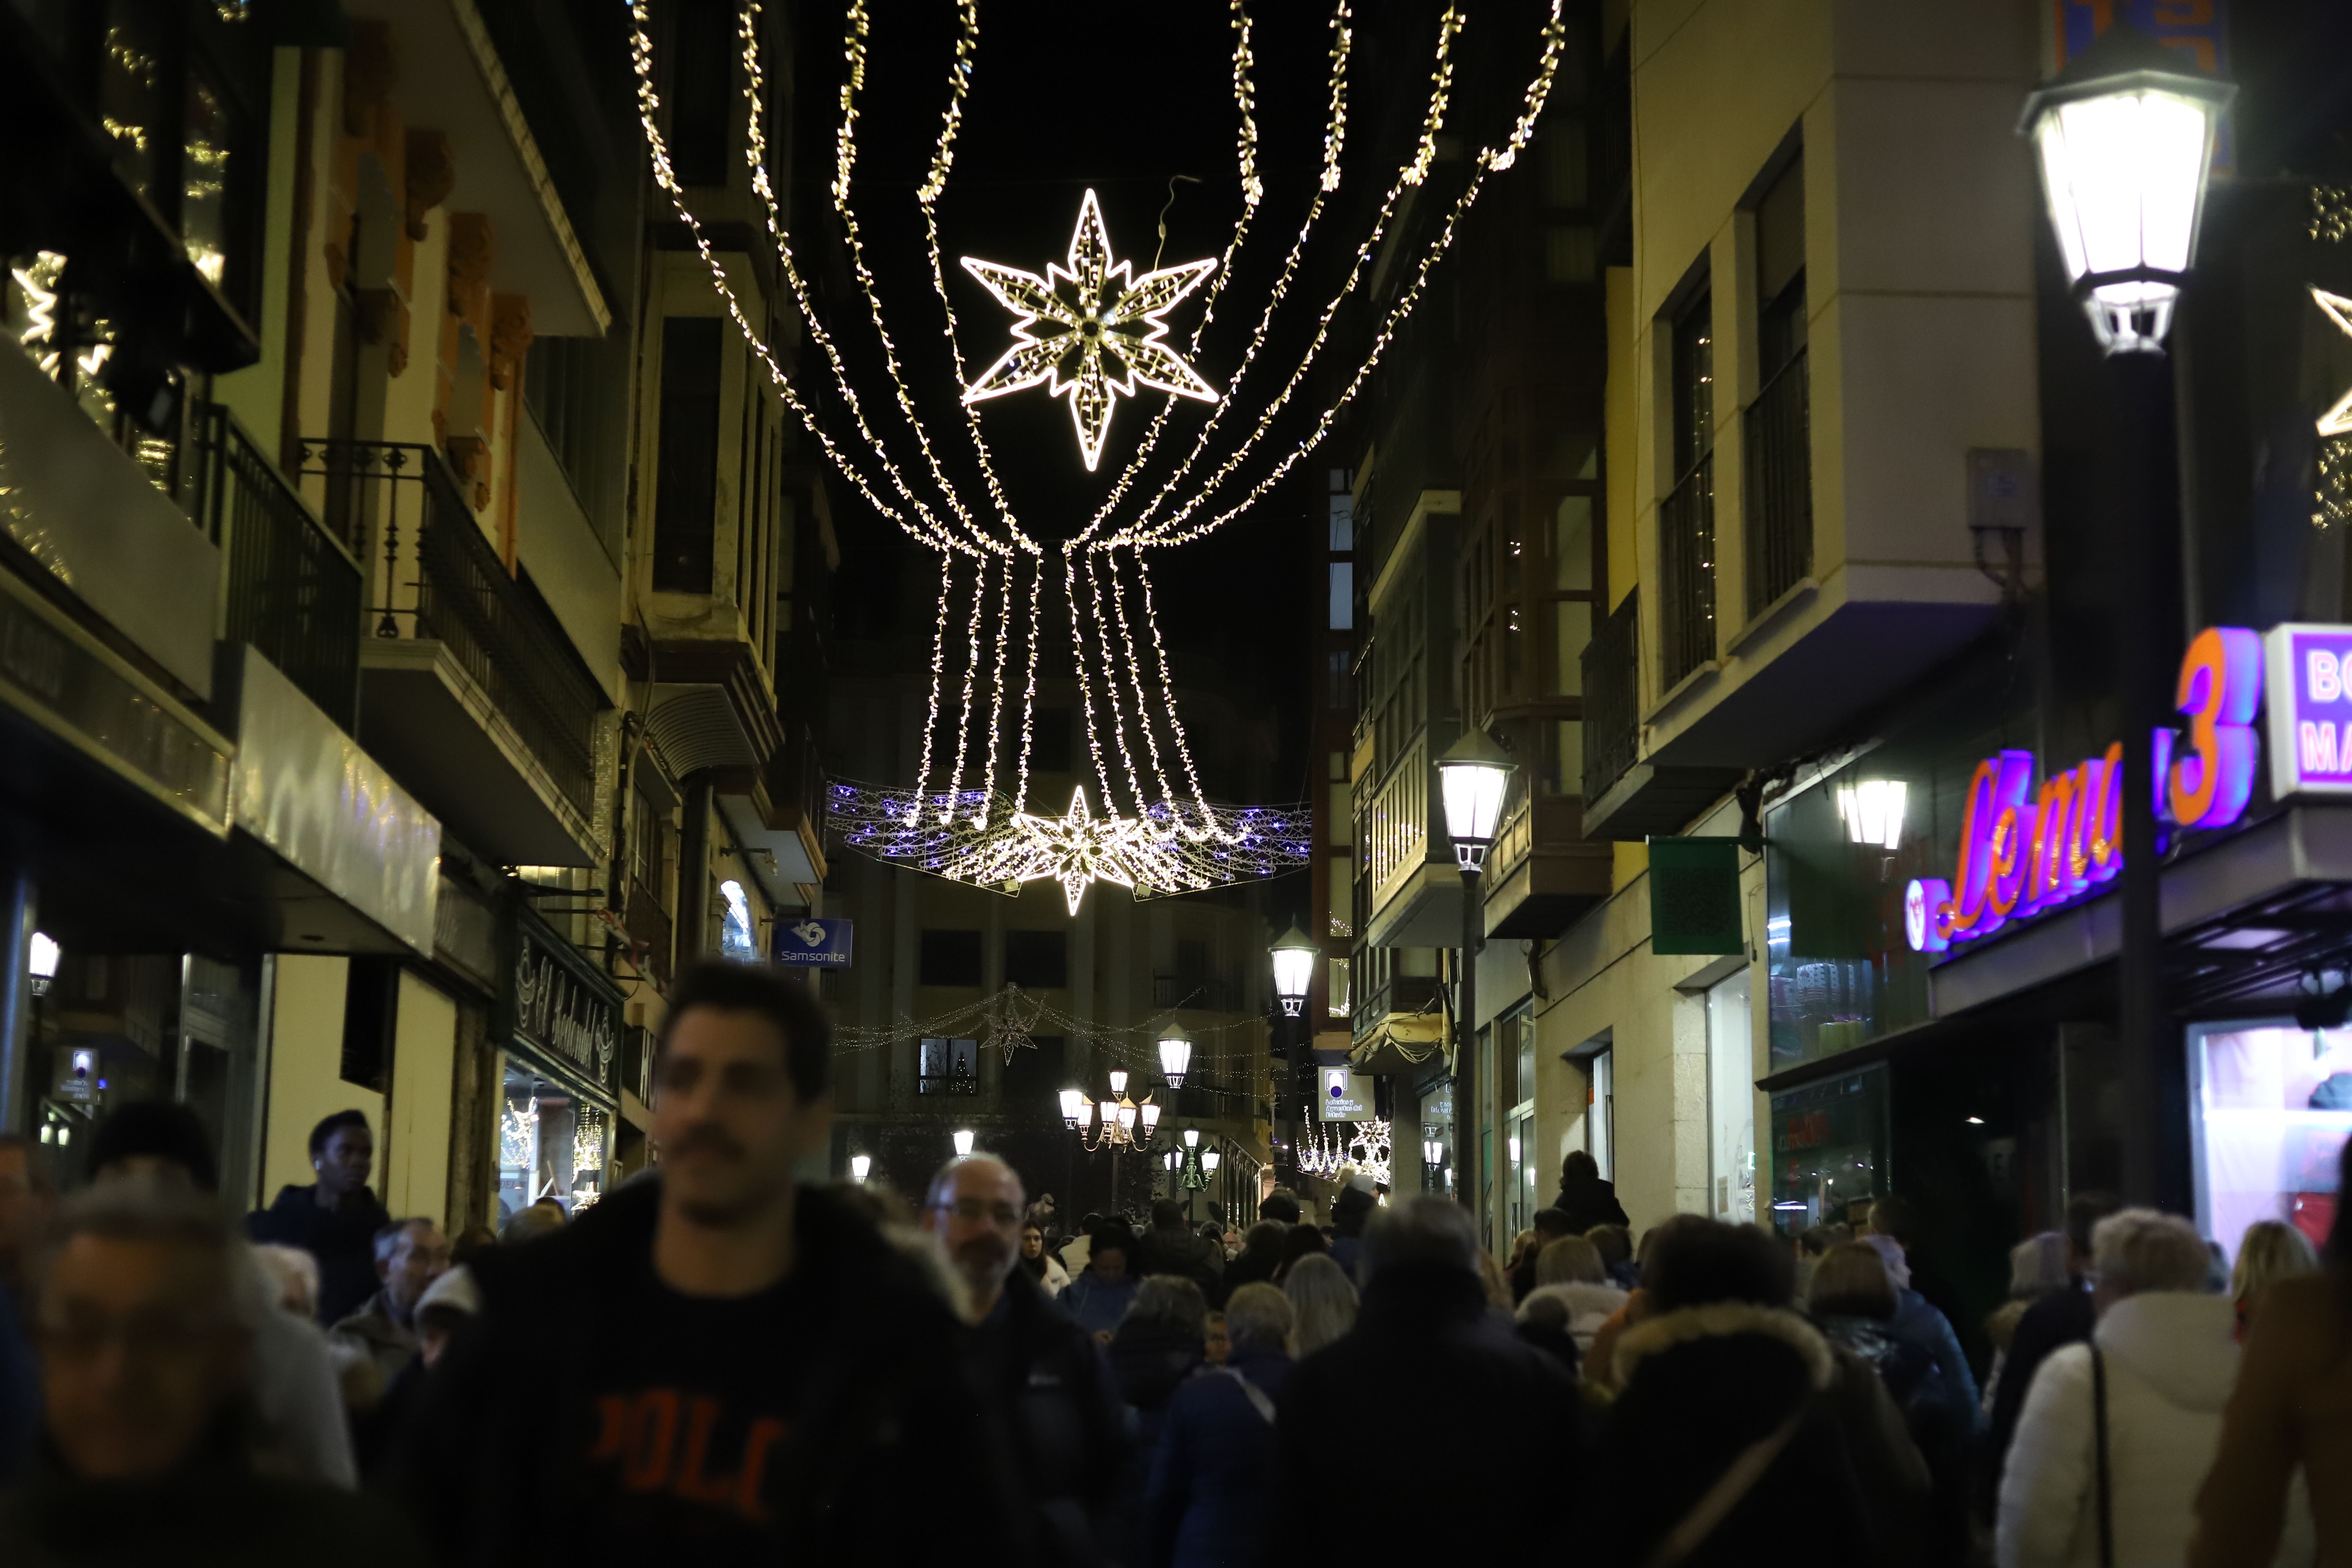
[
  {"x": 1093, "y": 331},
  {"x": 1009, "y": 1019}
]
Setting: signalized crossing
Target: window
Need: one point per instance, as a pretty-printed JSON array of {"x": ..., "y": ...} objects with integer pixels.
[
  {"x": 949, "y": 958},
  {"x": 1343, "y": 525},
  {"x": 738, "y": 942},
  {"x": 1731, "y": 1101},
  {"x": 1686, "y": 518},
  {"x": 685, "y": 496},
  {"x": 1571, "y": 254},
  {"x": 1693, "y": 380},
  {"x": 1600, "y": 1114},
  {"x": 1339, "y": 826},
  {"x": 1335, "y": 999},
  {"x": 948, "y": 1066},
  {"x": 369, "y": 985},
  {"x": 1778, "y": 491},
  {"x": 1343, "y": 596},
  {"x": 1037, "y": 960},
  {"x": 702, "y": 90}
]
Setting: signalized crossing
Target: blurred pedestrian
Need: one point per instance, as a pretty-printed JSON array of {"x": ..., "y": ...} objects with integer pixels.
[
  {"x": 1260, "y": 1256},
  {"x": 1323, "y": 1301},
  {"x": 1569, "y": 1275},
  {"x": 410, "y": 1254},
  {"x": 1043, "y": 1266},
  {"x": 147, "y": 1310},
  {"x": 2037, "y": 1268},
  {"x": 473, "y": 1239},
  {"x": 1172, "y": 1246},
  {"x": 1217, "y": 1338},
  {"x": 1099, "y": 1294},
  {"x": 450, "y": 1302},
  {"x": 1350, "y": 1211},
  {"x": 1074, "y": 1251},
  {"x": 1160, "y": 1344},
  {"x": 1894, "y": 1225},
  {"x": 530, "y": 1223},
  {"x": 717, "y": 1363},
  {"x": 1813, "y": 1242},
  {"x": 1210, "y": 1477},
  {"x": 1425, "y": 1328},
  {"x": 2062, "y": 1317},
  {"x": 335, "y": 1219},
  {"x": 1280, "y": 1206},
  {"x": 1584, "y": 1197},
  {"x": 1045, "y": 1370},
  {"x": 1616, "y": 1245},
  {"x": 28, "y": 1192},
  {"x": 1301, "y": 1241},
  {"x": 1548, "y": 1227},
  {"x": 2270, "y": 1251},
  {"x": 1729, "y": 1402},
  {"x": 2116, "y": 1435},
  {"x": 294, "y": 1396}
]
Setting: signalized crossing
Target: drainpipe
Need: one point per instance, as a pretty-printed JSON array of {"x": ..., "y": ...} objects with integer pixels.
[{"x": 694, "y": 872}]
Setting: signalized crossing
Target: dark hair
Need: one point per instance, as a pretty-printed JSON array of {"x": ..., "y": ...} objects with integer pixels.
[
  {"x": 41, "y": 1173},
  {"x": 1111, "y": 1238},
  {"x": 2085, "y": 1210},
  {"x": 1264, "y": 1237},
  {"x": 1304, "y": 1241},
  {"x": 1167, "y": 1214},
  {"x": 1580, "y": 1165},
  {"x": 161, "y": 1128},
  {"x": 1696, "y": 1260},
  {"x": 1816, "y": 1239},
  {"x": 1281, "y": 1205},
  {"x": 1896, "y": 1218},
  {"x": 806, "y": 1033},
  {"x": 332, "y": 1125},
  {"x": 1615, "y": 1242},
  {"x": 2338, "y": 1253},
  {"x": 1554, "y": 1223}
]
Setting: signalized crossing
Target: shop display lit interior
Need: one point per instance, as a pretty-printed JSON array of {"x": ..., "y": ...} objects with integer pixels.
[
  {"x": 2274, "y": 1106},
  {"x": 551, "y": 1144}
]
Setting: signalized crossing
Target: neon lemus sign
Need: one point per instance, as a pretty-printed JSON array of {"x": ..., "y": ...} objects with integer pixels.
[{"x": 2023, "y": 850}]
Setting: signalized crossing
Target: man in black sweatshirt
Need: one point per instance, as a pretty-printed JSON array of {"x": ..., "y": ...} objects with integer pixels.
[
  {"x": 335, "y": 1219},
  {"x": 718, "y": 1366}
]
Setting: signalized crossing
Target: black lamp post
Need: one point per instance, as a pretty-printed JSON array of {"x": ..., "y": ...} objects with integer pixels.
[{"x": 1472, "y": 775}]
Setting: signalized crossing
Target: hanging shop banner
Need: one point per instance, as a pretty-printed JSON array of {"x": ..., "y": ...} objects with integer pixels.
[
  {"x": 2026, "y": 848},
  {"x": 813, "y": 943},
  {"x": 1346, "y": 1096},
  {"x": 558, "y": 1007}
]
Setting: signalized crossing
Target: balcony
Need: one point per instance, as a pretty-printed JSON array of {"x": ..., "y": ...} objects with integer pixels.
[
  {"x": 1542, "y": 872},
  {"x": 1779, "y": 483},
  {"x": 777, "y": 810},
  {"x": 648, "y": 925},
  {"x": 1687, "y": 576},
  {"x": 294, "y": 592},
  {"x": 1626, "y": 798},
  {"x": 1403, "y": 995},
  {"x": 471, "y": 693}
]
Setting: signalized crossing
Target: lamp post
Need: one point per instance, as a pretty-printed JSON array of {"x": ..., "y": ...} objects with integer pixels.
[
  {"x": 1293, "y": 957},
  {"x": 1175, "y": 1054},
  {"x": 1472, "y": 775},
  {"x": 1117, "y": 1123},
  {"x": 860, "y": 1166},
  {"x": 2125, "y": 141}
]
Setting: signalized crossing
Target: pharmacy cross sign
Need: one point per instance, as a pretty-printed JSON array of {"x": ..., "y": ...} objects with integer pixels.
[{"x": 2024, "y": 849}]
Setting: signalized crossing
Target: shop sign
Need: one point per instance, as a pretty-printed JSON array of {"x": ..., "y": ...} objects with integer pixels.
[
  {"x": 813, "y": 943},
  {"x": 1346, "y": 1096},
  {"x": 2025, "y": 849},
  {"x": 563, "y": 1008}
]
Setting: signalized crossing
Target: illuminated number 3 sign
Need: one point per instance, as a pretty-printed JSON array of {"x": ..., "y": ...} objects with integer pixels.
[{"x": 2023, "y": 852}]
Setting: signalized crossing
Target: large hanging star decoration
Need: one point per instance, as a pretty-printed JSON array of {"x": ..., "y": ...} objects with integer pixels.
[
  {"x": 1102, "y": 331},
  {"x": 2336, "y": 421},
  {"x": 1076, "y": 849}
]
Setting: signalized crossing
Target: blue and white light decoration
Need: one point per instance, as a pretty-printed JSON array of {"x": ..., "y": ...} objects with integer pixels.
[{"x": 991, "y": 842}]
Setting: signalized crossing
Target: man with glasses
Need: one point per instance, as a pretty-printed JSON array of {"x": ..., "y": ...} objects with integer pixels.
[
  {"x": 1065, "y": 1416},
  {"x": 720, "y": 1364}
]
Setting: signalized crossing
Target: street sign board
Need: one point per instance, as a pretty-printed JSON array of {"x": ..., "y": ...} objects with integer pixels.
[
  {"x": 813, "y": 943},
  {"x": 1346, "y": 1096}
]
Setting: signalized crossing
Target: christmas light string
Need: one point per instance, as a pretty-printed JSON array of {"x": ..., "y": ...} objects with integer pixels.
[
  {"x": 1086, "y": 686},
  {"x": 938, "y": 672},
  {"x": 1142, "y": 704},
  {"x": 1134, "y": 1046},
  {"x": 971, "y": 670},
  {"x": 1111, "y": 685}
]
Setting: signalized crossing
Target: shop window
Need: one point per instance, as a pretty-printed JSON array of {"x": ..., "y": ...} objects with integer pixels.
[
  {"x": 686, "y": 493},
  {"x": 553, "y": 1146},
  {"x": 2272, "y": 1107},
  {"x": 949, "y": 958},
  {"x": 1437, "y": 1127},
  {"x": 1037, "y": 960},
  {"x": 738, "y": 939},
  {"x": 949, "y": 1066},
  {"x": 1731, "y": 1100},
  {"x": 1829, "y": 1149}
]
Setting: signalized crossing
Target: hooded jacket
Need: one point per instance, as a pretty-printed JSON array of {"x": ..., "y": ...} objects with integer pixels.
[
  {"x": 884, "y": 1393},
  {"x": 2171, "y": 1360},
  {"x": 1589, "y": 1202}
]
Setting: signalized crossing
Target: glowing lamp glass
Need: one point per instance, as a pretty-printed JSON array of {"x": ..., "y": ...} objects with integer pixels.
[
  {"x": 1118, "y": 1080},
  {"x": 1293, "y": 968},
  {"x": 1071, "y": 1099},
  {"x": 1150, "y": 1118},
  {"x": 1126, "y": 1118},
  {"x": 1191, "y": 1138},
  {"x": 1210, "y": 1159},
  {"x": 1175, "y": 1054},
  {"x": 41, "y": 956},
  {"x": 1871, "y": 810},
  {"x": 1472, "y": 775},
  {"x": 860, "y": 1165},
  {"x": 962, "y": 1142}
]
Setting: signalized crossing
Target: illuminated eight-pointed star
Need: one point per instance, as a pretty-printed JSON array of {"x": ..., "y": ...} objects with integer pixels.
[
  {"x": 2336, "y": 421},
  {"x": 1101, "y": 330}
]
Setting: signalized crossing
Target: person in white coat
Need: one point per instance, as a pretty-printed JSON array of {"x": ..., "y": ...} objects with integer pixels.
[{"x": 2164, "y": 1349}]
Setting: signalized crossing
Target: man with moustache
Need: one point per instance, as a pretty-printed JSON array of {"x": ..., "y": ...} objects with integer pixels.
[
  {"x": 720, "y": 1365},
  {"x": 1047, "y": 1373}
]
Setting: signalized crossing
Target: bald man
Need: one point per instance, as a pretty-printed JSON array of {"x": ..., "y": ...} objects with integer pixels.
[{"x": 1056, "y": 1391}]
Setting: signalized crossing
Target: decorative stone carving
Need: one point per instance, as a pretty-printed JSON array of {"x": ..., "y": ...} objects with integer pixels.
[
  {"x": 473, "y": 250},
  {"x": 370, "y": 67},
  {"x": 432, "y": 175},
  {"x": 384, "y": 319},
  {"x": 511, "y": 338},
  {"x": 470, "y": 456}
]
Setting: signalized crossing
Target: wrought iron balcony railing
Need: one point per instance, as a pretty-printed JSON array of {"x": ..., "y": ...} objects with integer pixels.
[
  {"x": 1780, "y": 485},
  {"x": 1687, "y": 574}
]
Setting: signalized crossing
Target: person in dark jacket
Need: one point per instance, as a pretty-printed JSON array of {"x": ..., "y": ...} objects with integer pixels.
[
  {"x": 1208, "y": 1494},
  {"x": 1350, "y": 1211},
  {"x": 1721, "y": 1379},
  {"x": 1260, "y": 1254},
  {"x": 335, "y": 1219},
  {"x": 1171, "y": 1246},
  {"x": 1299, "y": 1241},
  {"x": 1046, "y": 1373},
  {"x": 1584, "y": 1197},
  {"x": 1281, "y": 1205},
  {"x": 715, "y": 1365},
  {"x": 1425, "y": 1325},
  {"x": 2062, "y": 1317}
]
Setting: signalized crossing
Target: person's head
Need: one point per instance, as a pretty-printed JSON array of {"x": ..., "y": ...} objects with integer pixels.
[
  {"x": 1107, "y": 1258},
  {"x": 2037, "y": 1266},
  {"x": 530, "y": 1224},
  {"x": 1428, "y": 1232},
  {"x": 1280, "y": 1206},
  {"x": 1815, "y": 1240},
  {"x": 974, "y": 1208},
  {"x": 2083, "y": 1213},
  {"x": 1033, "y": 1243},
  {"x": 343, "y": 1153},
  {"x": 743, "y": 1091},
  {"x": 1695, "y": 1260},
  {"x": 1217, "y": 1337},
  {"x": 144, "y": 1319},
  {"x": 154, "y": 1137},
  {"x": 2271, "y": 1250},
  {"x": 473, "y": 1239},
  {"x": 410, "y": 1254},
  {"x": 1577, "y": 1167},
  {"x": 1550, "y": 1224},
  {"x": 1570, "y": 1260},
  {"x": 1322, "y": 1302},
  {"x": 2135, "y": 1251},
  {"x": 1890, "y": 1252},
  {"x": 1264, "y": 1240},
  {"x": 1169, "y": 1301},
  {"x": 1615, "y": 1242},
  {"x": 28, "y": 1196},
  {"x": 1301, "y": 1241},
  {"x": 1850, "y": 1281},
  {"x": 1167, "y": 1214},
  {"x": 1894, "y": 1217},
  {"x": 295, "y": 1273},
  {"x": 1258, "y": 1316},
  {"x": 1523, "y": 1245},
  {"x": 447, "y": 1305}
]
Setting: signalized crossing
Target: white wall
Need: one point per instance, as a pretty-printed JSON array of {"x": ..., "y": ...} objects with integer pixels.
[
  {"x": 416, "y": 1163},
  {"x": 305, "y": 1057}
]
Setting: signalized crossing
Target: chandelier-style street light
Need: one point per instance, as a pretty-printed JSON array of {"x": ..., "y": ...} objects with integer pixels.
[
  {"x": 1293, "y": 968},
  {"x": 1115, "y": 1123},
  {"x": 1175, "y": 1054}
]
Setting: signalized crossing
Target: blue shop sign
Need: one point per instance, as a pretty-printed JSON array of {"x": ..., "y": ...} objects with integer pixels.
[{"x": 813, "y": 943}]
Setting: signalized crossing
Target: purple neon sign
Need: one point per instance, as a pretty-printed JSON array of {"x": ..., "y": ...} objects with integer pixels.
[{"x": 2310, "y": 695}]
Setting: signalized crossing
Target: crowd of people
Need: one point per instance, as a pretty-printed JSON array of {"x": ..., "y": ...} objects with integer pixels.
[{"x": 718, "y": 1363}]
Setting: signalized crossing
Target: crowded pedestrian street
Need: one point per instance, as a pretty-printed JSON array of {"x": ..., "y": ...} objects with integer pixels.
[{"x": 1066, "y": 786}]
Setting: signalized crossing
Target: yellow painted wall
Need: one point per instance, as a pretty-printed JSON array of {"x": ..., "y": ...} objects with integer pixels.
[
  {"x": 424, "y": 1069},
  {"x": 305, "y": 1057}
]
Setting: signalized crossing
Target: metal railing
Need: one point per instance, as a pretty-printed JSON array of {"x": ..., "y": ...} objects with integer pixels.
[
  {"x": 649, "y": 923},
  {"x": 1780, "y": 485},
  {"x": 1612, "y": 698},
  {"x": 1197, "y": 990},
  {"x": 438, "y": 578},
  {"x": 1687, "y": 575},
  {"x": 291, "y": 590}
]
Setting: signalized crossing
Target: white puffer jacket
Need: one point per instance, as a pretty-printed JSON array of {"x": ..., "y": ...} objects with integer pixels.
[{"x": 2171, "y": 1360}]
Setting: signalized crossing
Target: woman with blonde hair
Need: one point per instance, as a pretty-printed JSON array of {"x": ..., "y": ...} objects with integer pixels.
[
  {"x": 1323, "y": 1301},
  {"x": 2271, "y": 1250}
]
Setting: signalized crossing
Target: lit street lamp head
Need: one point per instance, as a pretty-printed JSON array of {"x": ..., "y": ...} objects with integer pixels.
[
  {"x": 2124, "y": 138},
  {"x": 1472, "y": 773},
  {"x": 1175, "y": 1054},
  {"x": 1294, "y": 969}
]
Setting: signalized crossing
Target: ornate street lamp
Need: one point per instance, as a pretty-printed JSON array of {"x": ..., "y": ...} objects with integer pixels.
[
  {"x": 1472, "y": 774},
  {"x": 1294, "y": 969},
  {"x": 962, "y": 1142},
  {"x": 1175, "y": 1054},
  {"x": 1210, "y": 1159},
  {"x": 860, "y": 1166}
]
